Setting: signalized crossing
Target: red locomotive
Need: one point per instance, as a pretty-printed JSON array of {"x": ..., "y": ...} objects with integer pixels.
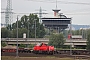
[{"x": 43, "y": 48}]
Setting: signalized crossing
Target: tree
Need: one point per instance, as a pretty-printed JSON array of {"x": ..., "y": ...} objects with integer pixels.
[
  {"x": 4, "y": 33},
  {"x": 88, "y": 41},
  {"x": 22, "y": 45},
  {"x": 25, "y": 25},
  {"x": 3, "y": 44},
  {"x": 41, "y": 31},
  {"x": 31, "y": 45},
  {"x": 56, "y": 40}
]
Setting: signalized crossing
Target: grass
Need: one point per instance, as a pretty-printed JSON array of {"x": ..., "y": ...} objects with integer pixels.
[
  {"x": 9, "y": 58},
  {"x": 35, "y": 58}
]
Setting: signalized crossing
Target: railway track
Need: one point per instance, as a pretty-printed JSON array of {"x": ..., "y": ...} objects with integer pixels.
[{"x": 44, "y": 55}]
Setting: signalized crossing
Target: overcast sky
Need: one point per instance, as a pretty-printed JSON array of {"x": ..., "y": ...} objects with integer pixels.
[{"x": 79, "y": 10}]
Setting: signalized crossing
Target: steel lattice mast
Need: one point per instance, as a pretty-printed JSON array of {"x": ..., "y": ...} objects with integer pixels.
[
  {"x": 40, "y": 14},
  {"x": 8, "y": 13}
]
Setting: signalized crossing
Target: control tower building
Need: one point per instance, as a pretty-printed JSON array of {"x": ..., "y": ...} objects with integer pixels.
[{"x": 59, "y": 22}]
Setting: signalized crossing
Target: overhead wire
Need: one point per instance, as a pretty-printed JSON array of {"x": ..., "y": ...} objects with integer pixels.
[
  {"x": 72, "y": 13},
  {"x": 67, "y": 2},
  {"x": 64, "y": 2},
  {"x": 54, "y": 1},
  {"x": 75, "y": 10}
]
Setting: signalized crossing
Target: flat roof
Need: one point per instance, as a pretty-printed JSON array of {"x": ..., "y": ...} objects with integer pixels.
[{"x": 56, "y": 18}]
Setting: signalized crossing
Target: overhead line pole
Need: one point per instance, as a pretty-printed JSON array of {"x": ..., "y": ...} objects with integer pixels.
[
  {"x": 17, "y": 37},
  {"x": 35, "y": 31},
  {"x": 28, "y": 28},
  {"x": 70, "y": 37}
]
